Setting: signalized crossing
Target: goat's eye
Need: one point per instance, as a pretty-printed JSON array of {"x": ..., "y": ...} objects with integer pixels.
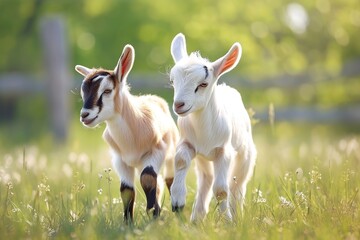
[
  {"x": 203, "y": 85},
  {"x": 171, "y": 82},
  {"x": 107, "y": 91}
]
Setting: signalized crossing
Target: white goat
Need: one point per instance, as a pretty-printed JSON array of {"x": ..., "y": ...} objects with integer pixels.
[
  {"x": 214, "y": 127},
  {"x": 139, "y": 129}
]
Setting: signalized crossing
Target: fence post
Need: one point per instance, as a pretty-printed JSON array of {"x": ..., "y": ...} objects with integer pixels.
[{"x": 55, "y": 47}]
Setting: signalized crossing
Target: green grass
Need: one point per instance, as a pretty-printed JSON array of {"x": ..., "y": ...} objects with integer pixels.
[{"x": 305, "y": 186}]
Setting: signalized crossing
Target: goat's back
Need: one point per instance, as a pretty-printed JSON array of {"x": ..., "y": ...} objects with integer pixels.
[
  {"x": 159, "y": 109},
  {"x": 232, "y": 105}
]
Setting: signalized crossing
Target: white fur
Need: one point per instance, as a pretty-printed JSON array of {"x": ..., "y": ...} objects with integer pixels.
[
  {"x": 139, "y": 129},
  {"x": 214, "y": 129}
]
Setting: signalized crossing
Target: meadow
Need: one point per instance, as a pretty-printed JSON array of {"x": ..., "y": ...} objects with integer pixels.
[
  {"x": 302, "y": 55},
  {"x": 305, "y": 186}
]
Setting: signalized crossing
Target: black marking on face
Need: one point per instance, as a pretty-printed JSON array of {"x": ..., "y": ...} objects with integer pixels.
[
  {"x": 101, "y": 73},
  {"x": 90, "y": 89},
  {"x": 128, "y": 198},
  {"x": 206, "y": 71}
]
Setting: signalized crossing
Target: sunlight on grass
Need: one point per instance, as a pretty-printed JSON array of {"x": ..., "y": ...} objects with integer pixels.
[{"x": 305, "y": 186}]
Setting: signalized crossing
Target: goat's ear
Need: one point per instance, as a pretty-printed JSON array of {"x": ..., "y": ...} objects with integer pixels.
[
  {"x": 178, "y": 47},
  {"x": 83, "y": 70},
  {"x": 229, "y": 61},
  {"x": 125, "y": 63}
]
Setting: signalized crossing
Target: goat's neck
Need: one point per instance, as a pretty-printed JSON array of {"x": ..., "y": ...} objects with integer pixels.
[{"x": 125, "y": 109}]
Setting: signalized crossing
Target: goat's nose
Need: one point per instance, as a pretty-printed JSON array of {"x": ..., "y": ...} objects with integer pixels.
[
  {"x": 178, "y": 105},
  {"x": 84, "y": 114}
]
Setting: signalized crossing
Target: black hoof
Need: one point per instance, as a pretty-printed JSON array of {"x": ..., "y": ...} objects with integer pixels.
[
  {"x": 155, "y": 211},
  {"x": 177, "y": 208}
]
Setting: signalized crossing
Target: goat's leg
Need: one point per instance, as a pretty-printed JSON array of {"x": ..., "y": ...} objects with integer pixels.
[
  {"x": 169, "y": 171},
  {"x": 222, "y": 159},
  {"x": 149, "y": 179},
  {"x": 205, "y": 177},
  {"x": 185, "y": 152},
  {"x": 171, "y": 141},
  {"x": 127, "y": 190},
  {"x": 240, "y": 176}
]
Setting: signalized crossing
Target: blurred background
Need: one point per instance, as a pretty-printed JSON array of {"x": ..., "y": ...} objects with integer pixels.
[{"x": 300, "y": 63}]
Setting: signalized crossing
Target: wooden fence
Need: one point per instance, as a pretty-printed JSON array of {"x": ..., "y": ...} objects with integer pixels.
[{"x": 57, "y": 85}]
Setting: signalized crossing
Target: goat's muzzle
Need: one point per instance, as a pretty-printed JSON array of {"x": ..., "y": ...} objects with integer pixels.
[{"x": 84, "y": 117}]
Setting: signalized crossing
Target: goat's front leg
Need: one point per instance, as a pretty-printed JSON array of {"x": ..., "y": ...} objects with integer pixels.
[
  {"x": 185, "y": 152},
  {"x": 222, "y": 159},
  {"x": 127, "y": 190}
]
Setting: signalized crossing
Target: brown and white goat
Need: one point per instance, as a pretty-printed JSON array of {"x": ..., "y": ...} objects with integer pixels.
[{"x": 139, "y": 129}]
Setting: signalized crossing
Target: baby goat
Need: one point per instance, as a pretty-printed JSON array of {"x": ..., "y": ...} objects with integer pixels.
[
  {"x": 139, "y": 129},
  {"x": 214, "y": 127}
]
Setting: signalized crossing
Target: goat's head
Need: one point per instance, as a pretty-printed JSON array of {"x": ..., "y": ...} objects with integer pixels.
[
  {"x": 101, "y": 88},
  {"x": 194, "y": 77}
]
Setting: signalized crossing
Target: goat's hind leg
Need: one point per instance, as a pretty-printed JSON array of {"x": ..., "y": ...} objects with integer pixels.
[
  {"x": 222, "y": 159},
  {"x": 205, "y": 177},
  {"x": 169, "y": 172},
  {"x": 171, "y": 140},
  {"x": 148, "y": 180},
  {"x": 240, "y": 176}
]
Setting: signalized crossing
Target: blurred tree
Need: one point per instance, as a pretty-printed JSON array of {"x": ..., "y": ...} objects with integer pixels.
[{"x": 277, "y": 36}]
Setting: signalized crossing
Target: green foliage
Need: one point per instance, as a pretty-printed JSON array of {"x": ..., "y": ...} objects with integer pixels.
[{"x": 98, "y": 31}]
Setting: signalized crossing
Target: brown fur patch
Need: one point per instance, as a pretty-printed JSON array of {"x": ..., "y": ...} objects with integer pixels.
[
  {"x": 218, "y": 152},
  {"x": 191, "y": 147},
  {"x": 169, "y": 182},
  {"x": 128, "y": 198},
  {"x": 148, "y": 181},
  {"x": 180, "y": 164},
  {"x": 220, "y": 194}
]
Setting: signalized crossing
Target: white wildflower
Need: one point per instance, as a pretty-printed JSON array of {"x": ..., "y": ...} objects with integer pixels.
[
  {"x": 115, "y": 201},
  {"x": 259, "y": 196},
  {"x": 315, "y": 176},
  {"x": 15, "y": 209},
  {"x": 301, "y": 197},
  {"x": 73, "y": 216},
  {"x": 299, "y": 173},
  {"x": 288, "y": 177},
  {"x": 285, "y": 203}
]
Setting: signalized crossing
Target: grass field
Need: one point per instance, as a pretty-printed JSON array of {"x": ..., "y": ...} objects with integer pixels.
[{"x": 305, "y": 186}]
